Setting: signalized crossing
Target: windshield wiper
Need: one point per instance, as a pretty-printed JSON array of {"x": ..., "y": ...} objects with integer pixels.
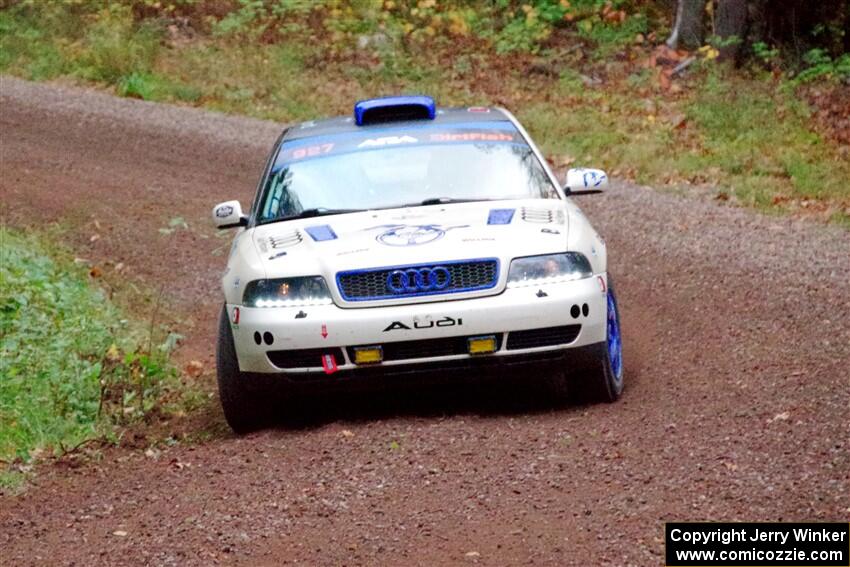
[
  {"x": 319, "y": 212},
  {"x": 443, "y": 201}
]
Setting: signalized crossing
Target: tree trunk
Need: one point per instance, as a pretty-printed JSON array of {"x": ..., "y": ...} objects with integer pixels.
[
  {"x": 758, "y": 25},
  {"x": 730, "y": 25},
  {"x": 846, "y": 27},
  {"x": 687, "y": 29}
]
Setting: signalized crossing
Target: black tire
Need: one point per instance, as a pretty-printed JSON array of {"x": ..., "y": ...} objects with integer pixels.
[
  {"x": 247, "y": 399},
  {"x": 600, "y": 383},
  {"x": 558, "y": 388}
]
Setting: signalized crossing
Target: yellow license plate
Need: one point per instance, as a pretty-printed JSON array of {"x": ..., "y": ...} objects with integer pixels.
[
  {"x": 368, "y": 355},
  {"x": 482, "y": 345}
]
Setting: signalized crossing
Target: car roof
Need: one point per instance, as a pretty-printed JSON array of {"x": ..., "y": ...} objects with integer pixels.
[{"x": 343, "y": 124}]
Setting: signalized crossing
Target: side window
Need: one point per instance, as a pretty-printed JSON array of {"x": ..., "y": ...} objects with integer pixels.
[
  {"x": 264, "y": 180},
  {"x": 277, "y": 200},
  {"x": 271, "y": 199}
]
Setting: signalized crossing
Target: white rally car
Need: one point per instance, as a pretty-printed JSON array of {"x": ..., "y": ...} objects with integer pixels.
[{"x": 412, "y": 239}]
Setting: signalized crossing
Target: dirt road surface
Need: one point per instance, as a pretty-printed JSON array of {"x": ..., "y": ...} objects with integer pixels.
[{"x": 737, "y": 404}]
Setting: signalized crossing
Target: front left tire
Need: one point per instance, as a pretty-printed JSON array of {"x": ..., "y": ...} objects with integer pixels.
[
  {"x": 600, "y": 374},
  {"x": 604, "y": 382}
]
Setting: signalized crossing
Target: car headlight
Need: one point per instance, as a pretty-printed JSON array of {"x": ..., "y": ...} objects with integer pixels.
[
  {"x": 551, "y": 268},
  {"x": 287, "y": 292}
]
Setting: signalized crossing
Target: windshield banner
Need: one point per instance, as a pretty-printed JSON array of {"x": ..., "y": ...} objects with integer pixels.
[{"x": 322, "y": 146}]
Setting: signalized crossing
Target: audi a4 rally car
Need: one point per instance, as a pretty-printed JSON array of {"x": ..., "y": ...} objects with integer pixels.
[{"x": 408, "y": 238}]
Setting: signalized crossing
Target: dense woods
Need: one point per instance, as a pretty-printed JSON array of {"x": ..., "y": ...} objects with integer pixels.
[
  {"x": 739, "y": 29},
  {"x": 797, "y": 25}
]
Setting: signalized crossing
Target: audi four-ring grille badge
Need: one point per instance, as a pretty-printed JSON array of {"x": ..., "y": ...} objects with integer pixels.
[
  {"x": 415, "y": 280},
  {"x": 422, "y": 279}
]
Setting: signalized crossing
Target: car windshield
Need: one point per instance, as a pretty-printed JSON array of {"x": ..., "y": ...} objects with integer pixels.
[{"x": 345, "y": 173}]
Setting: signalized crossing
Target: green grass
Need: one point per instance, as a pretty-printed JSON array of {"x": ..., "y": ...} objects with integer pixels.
[
  {"x": 71, "y": 365},
  {"x": 11, "y": 482},
  {"x": 758, "y": 138}
]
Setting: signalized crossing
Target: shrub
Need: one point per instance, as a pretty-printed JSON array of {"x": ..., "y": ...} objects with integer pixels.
[
  {"x": 70, "y": 364},
  {"x": 819, "y": 65},
  {"x": 115, "y": 47}
]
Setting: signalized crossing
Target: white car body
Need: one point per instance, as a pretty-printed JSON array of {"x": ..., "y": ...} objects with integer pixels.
[
  {"x": 462, "y": 234},
  {"x": 528, "y": 318}
]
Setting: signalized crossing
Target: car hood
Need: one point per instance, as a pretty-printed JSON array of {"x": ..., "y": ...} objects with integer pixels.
[
  {"x": 416, "y": 235},
  {"x": 430, "y": 235}
]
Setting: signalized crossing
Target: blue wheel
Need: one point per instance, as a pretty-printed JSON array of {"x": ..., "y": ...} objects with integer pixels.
[
  {"x": 614, "y": 342},
  {"x": 603, "y": 381},
  {"x": 596, "y": 375}
]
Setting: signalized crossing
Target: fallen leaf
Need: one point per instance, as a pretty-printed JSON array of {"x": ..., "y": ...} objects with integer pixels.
[
  {"x": 678, "y": 121},
  {"x": 95, "y": 272},
  {"x": 194, "y": 368},
  {"x": 112, "y": 353},
  {"x": 780, "y": 417}
]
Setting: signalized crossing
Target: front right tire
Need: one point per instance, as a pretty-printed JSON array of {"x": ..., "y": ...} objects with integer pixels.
[{"x": 246, "y": 398}]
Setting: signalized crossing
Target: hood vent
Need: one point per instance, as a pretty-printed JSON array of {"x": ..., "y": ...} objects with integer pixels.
[
  {"x": 542, "y": 216},
  {"x": 285, "y": 239}
]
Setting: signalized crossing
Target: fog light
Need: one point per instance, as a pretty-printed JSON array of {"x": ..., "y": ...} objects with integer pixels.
[
  {"x": 368, "y": 355},
  {"x": 482, "y": 345}
]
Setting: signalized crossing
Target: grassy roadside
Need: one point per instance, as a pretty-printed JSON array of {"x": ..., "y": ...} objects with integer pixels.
[
  {"x": 588, "y": 98},
  {"x": 72, "y": 366}
]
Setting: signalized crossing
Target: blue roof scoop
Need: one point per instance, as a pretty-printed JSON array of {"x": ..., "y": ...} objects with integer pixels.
[{"x": 394, "y": 108}]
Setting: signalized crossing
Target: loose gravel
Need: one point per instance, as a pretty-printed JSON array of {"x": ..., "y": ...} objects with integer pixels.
[{"x": 737, "y": 405}]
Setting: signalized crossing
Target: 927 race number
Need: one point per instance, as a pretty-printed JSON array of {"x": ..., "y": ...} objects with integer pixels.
[{"x": 312, "y": 151}]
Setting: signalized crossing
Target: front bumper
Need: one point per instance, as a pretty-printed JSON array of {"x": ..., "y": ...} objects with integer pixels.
[
  {"x": 266, "y": 334},
  {"x": 515, "y": 369}
]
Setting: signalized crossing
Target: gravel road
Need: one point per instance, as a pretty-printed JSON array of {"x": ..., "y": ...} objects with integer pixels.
[{"x": 737, "y": 404}]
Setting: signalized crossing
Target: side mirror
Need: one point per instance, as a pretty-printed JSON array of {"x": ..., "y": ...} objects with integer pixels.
[
  {"x": 583, "y": 181},
  {"x": 228, "y": 215}
]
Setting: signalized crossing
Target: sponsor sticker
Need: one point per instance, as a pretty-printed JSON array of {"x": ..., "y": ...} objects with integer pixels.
[
  {"x": 412, "y": 234},
  {"x": 224, "y": 211},
  {"x": 496, "y": 132},
  {"x": 329, "y": 363}
]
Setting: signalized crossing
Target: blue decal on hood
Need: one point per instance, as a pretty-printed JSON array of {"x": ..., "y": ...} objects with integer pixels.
[
  {"x": 412, "y": 234},
  {"x": 321, "y": 232},
  {"x": 500, "y": 216}
]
